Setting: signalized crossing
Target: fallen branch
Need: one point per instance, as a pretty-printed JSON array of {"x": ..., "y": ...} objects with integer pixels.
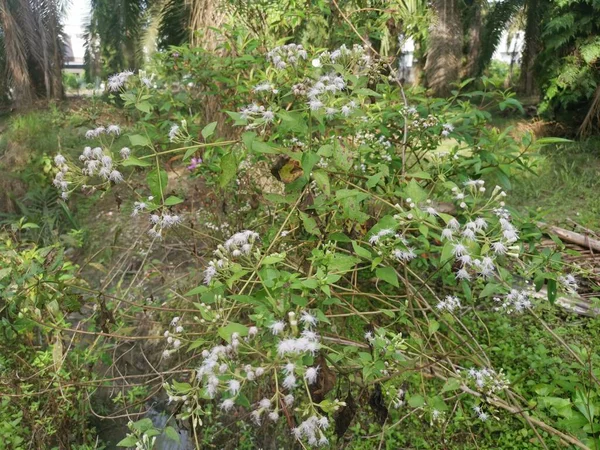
[{"x": 570, "y": 236}]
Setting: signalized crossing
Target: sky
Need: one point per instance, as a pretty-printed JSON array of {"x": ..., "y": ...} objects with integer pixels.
[{"x": 77, "y": 14}]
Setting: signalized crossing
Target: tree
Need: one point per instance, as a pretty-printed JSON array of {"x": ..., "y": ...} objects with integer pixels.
[
  {"x": 444, "y": 47},
  {"x": 32, "y": 48}
]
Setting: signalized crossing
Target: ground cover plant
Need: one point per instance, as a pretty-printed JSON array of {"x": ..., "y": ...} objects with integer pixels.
[{"x": 348, "y": 265}]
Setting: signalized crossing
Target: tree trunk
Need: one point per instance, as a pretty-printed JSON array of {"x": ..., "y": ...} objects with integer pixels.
[
  {"x": 445, "y": 47},
  {"x": 204, "y": 14},
  {"x": 471, "y": 68},
  {"x": 58, "y": 91},
  {"x": 16, "y": 57},
  {"x": 532, "y": 48}
]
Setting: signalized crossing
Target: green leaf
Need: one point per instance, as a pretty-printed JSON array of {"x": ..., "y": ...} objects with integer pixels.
[
  {"x": 133, "y": 161},
  {"x": 447, "y": 252},
  {"x": 489, "y": 289},
  {"x": 208, "y": 130},
  {"x": 451, "y": 384},
  {"x": 339, "y": 237},
  {"x": 366, "y": 91},
  {"x": 232, "y": 327},
  {"x": 143, "y": 425},
  {"x": 197, "y": 290},
  {"x": 248, "y": 138},
  {"x": 416, "y": 401},
  {"x": 293, "y": 122},
  {"x": 387, "y": 274},
  {"x": 343, "y": 158},
  {"x": 434, "y": 325},
  {"x": 310, "y": 224},
  {"x": 157, "y": 182},
  {"x": 172, "y": 200},
  {"x": 322, "y": 180},
  {"x": 265, "y": 147},
  {"x": 552, "y": 140},
  {"x": 552, "y": 291},
  {"x": 129, "y": 441},
  {"x": 144, "y": 106},
  {"x": 172, "y": 434},
  {"x": 228, "y": 169},
  {"x": 415, "y": 192},
  {"x": 374, "y": 180},
  {"x": 361, "y": 251},
  {"x": 137, "y": 140},
  {"x": 309, "y": 159}
]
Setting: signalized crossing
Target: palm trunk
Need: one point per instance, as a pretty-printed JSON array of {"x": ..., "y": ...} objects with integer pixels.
[
  {"x": 204, "y": 14},
  {"x": 474, "y": 51},
  {"x": 445, "y": 47},
  {"x": 16, "y": 57},
  {"x": 527, "y": 85}
]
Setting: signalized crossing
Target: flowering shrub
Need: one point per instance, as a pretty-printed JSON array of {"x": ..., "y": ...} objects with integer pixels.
[{"x": 356, "y": 275}]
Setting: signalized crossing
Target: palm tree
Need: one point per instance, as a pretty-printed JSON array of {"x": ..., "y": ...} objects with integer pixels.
[
  {"x": 32, "y": 49},
  {"x": 444, "y": 47},
  {"x": 499, "y": 19}
]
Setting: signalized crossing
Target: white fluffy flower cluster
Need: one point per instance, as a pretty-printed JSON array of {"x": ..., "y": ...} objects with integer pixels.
[
  {"x": 307, "y": 342},
  {"x": 237, "y": 245},
  {"x": 479, "y": 232},
  {"x": 321, "y": 95},
  {"x": 96, "y": 162},
  {"x": 172, "y": 338},
  {"x": 114, "y": 130},
  {"x": 265, "y": 87},
  {"x": 447, "y": 128},
  {"x": 483, "y": 416},
  {"x": 515, "y": 301},
  {"x": 118, "y": 80},
  {"x": 393, "y": 244},
  {"x": 161, "y": 222},
  {"x": 450, "y": 303},
  {"x": 488, "y": 380},
  {"x": 59, "y": 179},
  {"x": 287, "y": 55},
  {"x": 343, "y": 55},
  {"x": 255, "y": 111},
  {"x": 218, "y": 373},
  {"x": 312, "y": 430}
]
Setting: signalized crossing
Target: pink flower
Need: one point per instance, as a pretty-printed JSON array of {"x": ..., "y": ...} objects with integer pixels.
[{"x": 194, "y": 163}]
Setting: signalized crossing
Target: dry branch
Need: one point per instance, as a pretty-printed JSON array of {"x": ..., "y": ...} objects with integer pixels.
[{"x": 570, "y": 236}]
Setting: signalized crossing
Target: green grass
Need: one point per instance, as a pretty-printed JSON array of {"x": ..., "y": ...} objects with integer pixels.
[{"x": 567, "y": 185}]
